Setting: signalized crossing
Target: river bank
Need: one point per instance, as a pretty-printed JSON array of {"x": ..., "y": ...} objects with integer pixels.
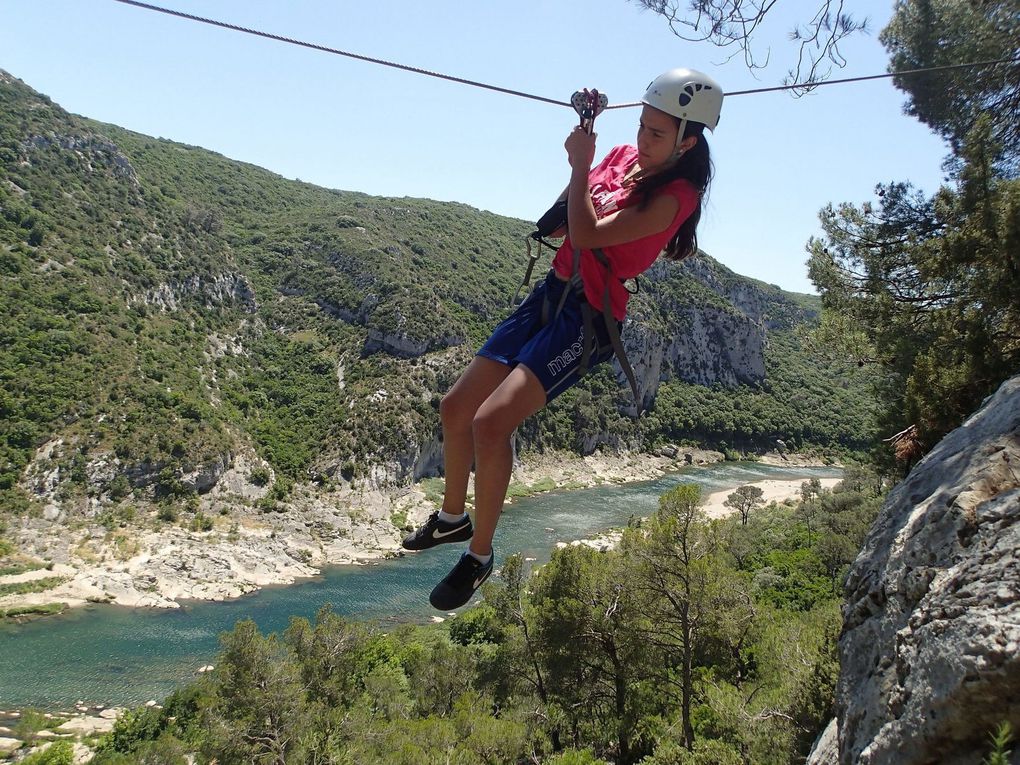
[
  {"x": 82, "y": 724},
  {"x": 79, "y": 727},
  {"x": 69, "y": 658},
  {"x": 159, "y": 565},
  {"x": 714, "y": 506},
  {"x": 115, "y": 657}
]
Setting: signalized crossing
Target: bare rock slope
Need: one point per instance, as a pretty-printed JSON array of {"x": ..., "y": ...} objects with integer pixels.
[{"x": 930, "y": 650}]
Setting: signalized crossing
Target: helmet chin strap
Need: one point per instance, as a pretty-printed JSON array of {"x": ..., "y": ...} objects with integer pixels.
[{"x": 677, "y": 151}]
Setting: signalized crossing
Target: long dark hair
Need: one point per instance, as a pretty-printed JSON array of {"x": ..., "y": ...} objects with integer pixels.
[{"x": 695, "y": 166}]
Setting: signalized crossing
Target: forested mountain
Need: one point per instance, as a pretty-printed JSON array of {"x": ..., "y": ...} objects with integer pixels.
[{"x": 165, "y": 308}]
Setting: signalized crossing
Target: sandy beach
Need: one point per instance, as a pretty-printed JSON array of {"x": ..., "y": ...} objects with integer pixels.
[{"x": 773, "y": 491}]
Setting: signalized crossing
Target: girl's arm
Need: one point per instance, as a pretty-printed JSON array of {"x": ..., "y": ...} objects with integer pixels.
[{"x": 627, "y": 225}]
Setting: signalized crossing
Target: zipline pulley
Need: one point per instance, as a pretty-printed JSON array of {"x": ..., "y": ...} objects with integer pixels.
[{"x": 588, "y": 104}]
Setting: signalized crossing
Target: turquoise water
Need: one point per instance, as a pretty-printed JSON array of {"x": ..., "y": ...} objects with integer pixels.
[{"x": 117, "y": 656}]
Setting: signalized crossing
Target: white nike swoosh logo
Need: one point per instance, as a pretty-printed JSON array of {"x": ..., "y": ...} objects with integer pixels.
[
  {"x": 478, "y": 582},
  {"x": 436, "y": 534}
]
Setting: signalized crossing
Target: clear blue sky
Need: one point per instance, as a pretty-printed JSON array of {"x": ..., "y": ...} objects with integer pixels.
[{"x": 351, "y": 125}]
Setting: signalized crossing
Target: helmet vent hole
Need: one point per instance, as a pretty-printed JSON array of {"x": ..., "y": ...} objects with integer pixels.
[{"x": 684, "y": 99}]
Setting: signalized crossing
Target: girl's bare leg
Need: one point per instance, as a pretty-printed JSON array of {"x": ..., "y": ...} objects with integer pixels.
[
  {"x": 518, "y": 397},
  {"x": 457, "y": 411}
]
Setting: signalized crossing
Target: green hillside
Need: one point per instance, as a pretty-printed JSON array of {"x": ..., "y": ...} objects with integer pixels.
[{"x": 164, "y": 307}]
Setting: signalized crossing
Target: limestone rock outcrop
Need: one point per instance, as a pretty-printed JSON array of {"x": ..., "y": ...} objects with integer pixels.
[
  {"x": 90, "y": 150},
  {"x": 826, "y": 748},
  {"x": 700, "y": 323},
  {"x": 222, "y": 289},
  {"x": 930, "y": 649}
]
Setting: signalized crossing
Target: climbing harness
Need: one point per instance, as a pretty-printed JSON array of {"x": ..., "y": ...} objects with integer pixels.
[
  {"x": 588, "y": 104},
  {"x": 589, "y": 343}
]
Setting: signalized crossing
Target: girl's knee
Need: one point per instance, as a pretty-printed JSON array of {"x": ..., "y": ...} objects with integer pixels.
[
  {"x": 491, "y": 428},
  {"x": 455, "y": 411}
]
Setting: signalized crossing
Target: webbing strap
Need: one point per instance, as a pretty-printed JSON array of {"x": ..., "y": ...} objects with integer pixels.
[
  {"x": 540, "y": 240},
  {"x": 574, "y": 283},
  {"x": 588, "y": 342},
  {"x": 531, "y": 267},
  {"x": 614, "y": 332}
]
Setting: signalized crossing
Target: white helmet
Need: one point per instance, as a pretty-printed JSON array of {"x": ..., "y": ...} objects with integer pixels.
[{"x": 688, "y": 95}]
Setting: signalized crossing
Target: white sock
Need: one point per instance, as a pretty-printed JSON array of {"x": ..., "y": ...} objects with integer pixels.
[
  {"x": 483, "y": 559},
  {"x": 447, "y": 518}
]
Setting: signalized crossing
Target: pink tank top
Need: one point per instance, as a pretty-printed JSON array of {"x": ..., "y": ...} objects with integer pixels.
[{"x": 632, "y": 258}]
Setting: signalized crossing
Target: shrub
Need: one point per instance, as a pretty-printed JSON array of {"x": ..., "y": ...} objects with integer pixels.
[
  {"x": 58, "y": 753},
  {"x": 1000, "y": 739},
  {"x": 201, "y": 522},
  {"x": 32, "y": 585},
  {"x": 260, "y": 476},
  {"x": 47, "y": 609},
  {"x": 133, "y": 728},
  {"x": 167, "y": 513},
  {"x": 169, "y": 484},
  {"x": 576, "y": 757},
  {"x": 476, "y": 625},
  {"x": 31, "y": 722},
  {"x": 119, "y": 488}
]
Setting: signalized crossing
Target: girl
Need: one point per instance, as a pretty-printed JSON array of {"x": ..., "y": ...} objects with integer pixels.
[{"x": 639, "y": 201}]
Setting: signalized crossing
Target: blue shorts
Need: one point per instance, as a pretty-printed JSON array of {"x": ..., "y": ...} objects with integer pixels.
[{"x": 553, "y": 352}]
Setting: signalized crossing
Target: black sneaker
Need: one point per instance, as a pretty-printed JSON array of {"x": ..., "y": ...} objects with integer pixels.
[
  {"x": 436, "y": 532},
  {"x": 460, "y": 584}
]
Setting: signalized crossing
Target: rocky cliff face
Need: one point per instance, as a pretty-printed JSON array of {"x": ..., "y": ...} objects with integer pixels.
[
  {"x": 716, "y": 335},
  {"x": 220, "y": 290},
  {"x": 757, "y": 301},
  {"x": 930, "y": 650},
  {"x": 713, "y": 334},
  {"x": 703, "y": 345},
  {"x": 93, "y": 152}
]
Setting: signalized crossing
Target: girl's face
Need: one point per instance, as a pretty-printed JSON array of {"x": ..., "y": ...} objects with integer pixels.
[{"x": 656, "y": 137}]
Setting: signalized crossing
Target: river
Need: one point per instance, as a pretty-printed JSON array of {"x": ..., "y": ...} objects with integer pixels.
[{"x": 116, "y": 656}]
